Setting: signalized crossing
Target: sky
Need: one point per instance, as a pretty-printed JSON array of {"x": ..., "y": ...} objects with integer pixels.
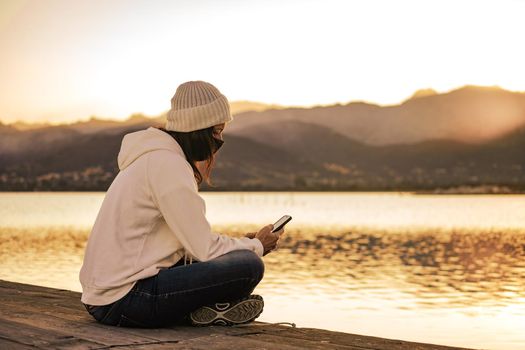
[{"x": 63, "y": 60}]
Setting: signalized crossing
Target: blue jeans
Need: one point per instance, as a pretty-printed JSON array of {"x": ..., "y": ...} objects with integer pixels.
[{"x": 170, "y": 296}]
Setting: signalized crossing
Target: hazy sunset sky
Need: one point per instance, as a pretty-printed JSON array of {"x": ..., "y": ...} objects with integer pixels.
[{"x": 65, "y": 60}]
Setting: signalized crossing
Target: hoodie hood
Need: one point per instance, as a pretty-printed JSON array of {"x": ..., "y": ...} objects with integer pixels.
[{"x": 140, "y": 142}]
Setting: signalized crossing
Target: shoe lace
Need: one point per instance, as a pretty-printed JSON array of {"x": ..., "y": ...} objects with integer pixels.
[{"x": 291, "y": 324}]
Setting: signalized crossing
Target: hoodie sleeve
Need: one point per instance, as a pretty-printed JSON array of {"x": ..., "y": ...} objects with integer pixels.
[{"x": 175, "y": 191}]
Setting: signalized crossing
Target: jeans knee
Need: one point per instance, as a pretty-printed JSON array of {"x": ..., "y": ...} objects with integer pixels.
[
  {"x": 256, "y": 265},
  {"x": 249, "y": 264}
]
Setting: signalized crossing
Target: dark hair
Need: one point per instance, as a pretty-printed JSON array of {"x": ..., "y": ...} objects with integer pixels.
[{"x": 193, "y": 143}]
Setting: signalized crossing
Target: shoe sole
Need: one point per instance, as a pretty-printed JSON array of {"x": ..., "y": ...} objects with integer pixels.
[{"x": 242, "y": 312}]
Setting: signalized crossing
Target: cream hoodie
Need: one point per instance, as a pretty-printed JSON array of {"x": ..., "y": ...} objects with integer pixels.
[{"x": 151, "y": 216}]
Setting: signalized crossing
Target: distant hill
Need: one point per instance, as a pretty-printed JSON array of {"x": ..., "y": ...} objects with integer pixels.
[
  {"x": 19, "y": 143},
  {"x": 95, "y": 124},
  {"x": 28, "y": 126},
  {"x": 321, "y": 148},
  {"x": 424, "y": 93},
  {"x": 241, "y": 161},
  {"x": 311, "y": 158},
  {"x": 470, "y": 114},
  {"x": 237, "y": 107}
]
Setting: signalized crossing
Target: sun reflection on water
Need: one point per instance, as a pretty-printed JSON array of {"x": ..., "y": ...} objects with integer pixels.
[{"x": 471, "y": 273}]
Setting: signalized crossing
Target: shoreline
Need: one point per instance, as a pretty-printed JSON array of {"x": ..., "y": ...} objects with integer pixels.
[{"x": 438, "y": 191}]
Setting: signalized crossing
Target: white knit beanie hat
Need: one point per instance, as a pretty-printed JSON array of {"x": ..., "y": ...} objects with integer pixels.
[{"x": 197, "y": 105}]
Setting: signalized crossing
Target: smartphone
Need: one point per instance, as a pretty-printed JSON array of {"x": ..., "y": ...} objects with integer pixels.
[{"x": 279, "y": 224}]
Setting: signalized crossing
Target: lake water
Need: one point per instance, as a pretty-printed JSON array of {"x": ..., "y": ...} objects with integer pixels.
[{"x": 445, "y": 269}]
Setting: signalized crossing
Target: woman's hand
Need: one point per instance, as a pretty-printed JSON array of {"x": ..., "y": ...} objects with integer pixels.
[
  {"x": 268, "y": 239},
  {"x": 251, "y": 234}
]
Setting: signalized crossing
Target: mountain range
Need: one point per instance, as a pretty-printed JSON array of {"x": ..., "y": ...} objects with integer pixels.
[{"x": 471, "y": 136}]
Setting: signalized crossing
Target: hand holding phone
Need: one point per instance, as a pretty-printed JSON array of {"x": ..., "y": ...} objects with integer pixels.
[
  {"x": 279, "y": 224},
  {"x": 266, "y": 234}
]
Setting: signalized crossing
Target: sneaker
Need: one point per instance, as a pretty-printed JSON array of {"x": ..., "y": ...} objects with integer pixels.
[{"x": 228, "y": 314}]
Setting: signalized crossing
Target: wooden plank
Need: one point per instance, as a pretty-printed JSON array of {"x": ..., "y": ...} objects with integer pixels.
[
  {"x": 320, "y": 344},
  {"x": 52, "y": 318},
  {"x": 6, "y": 344},
  {"x": 224, "y": 342},
  {"x": 87, "y": 328},
  {"x": 80, "y": 322},
  {"x": 73, "y": 316},
  {"x": 345, "y": 339},
  {"x": 22, "y": 335},
  {"x": 47, "y": 296},
  {"x": 325, "y": 339},
  {"x": 97, "y": 333}
]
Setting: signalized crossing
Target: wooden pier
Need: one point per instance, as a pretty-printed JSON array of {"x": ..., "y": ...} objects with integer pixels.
[{"x": 33, "y": 317}]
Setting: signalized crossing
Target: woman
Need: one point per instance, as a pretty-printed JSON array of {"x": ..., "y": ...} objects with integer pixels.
[{"x": 151, "y": 259}]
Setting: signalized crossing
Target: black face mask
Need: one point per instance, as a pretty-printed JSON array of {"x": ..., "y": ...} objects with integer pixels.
[
  {"x": 218, "y": 144},
  {"x": 200, "y": 156}
]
